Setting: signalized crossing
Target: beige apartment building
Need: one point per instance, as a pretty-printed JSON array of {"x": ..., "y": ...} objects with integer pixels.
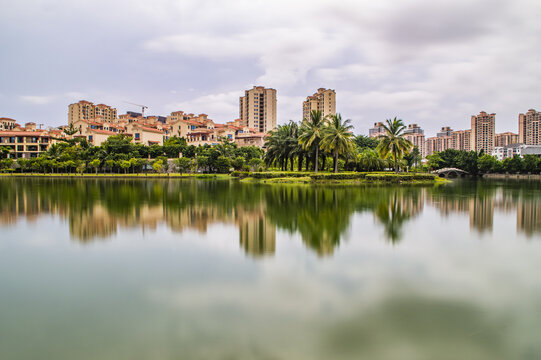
[
  {"x": 26, "y": 142},
  {"x": 482, "y": 132},
  {"x": 323, "y": 100},
  {"x": 529, "y": 128},
  {"x": 376, "y": 131},
  {"x": 416, "y": 136},
  {"x": 7, "y": 124},
  {"x": 505, "y": 139},
  {"x": 257, "y": 109},
  {"x": 461, "y": 139},
  {"x": 86, "y": 110}
]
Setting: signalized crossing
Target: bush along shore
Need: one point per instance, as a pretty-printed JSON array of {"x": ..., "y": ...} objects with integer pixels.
[
  {"x": 344, "y": 177},
  {"x": 269, "y": 177}
]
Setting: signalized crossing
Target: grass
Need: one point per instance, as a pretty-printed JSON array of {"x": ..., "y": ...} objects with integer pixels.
[{"x": 270, "y": 177}]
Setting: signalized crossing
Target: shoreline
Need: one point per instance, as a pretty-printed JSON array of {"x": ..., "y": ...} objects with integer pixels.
[{"x": 261, "y": 177}]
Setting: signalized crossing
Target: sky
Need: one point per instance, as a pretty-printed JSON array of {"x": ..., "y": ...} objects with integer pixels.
[{"x": 434, "y": 63}]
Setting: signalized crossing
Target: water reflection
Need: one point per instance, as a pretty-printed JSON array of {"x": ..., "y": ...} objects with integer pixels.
[{"x": 96, "y": 209}]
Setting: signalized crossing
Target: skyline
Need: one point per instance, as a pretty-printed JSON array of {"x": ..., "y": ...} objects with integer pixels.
[{"x": 430, "y": 64}]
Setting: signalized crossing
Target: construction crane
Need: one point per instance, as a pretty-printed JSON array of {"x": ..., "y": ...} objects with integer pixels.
[{"x": 143, "y": 107}]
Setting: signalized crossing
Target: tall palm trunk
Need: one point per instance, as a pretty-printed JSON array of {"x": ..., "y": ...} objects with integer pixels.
[
  {"x": 317, "y": 158},
  {"x": 395, "y": 162},
  {"x": 335, "y": 161}
]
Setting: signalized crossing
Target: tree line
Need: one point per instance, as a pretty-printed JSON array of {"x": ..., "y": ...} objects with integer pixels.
[
  {"x": 318, "y": 138},
  {"x": 119, "y": 155}
]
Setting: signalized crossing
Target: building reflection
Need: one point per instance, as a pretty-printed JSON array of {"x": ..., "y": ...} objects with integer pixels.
[{"x": 98, "y": 210}]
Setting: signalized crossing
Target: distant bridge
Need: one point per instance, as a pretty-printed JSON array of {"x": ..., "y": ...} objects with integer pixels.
[{"x": 451, "y": 173}]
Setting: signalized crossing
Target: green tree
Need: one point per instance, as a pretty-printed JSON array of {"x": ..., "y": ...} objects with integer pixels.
[
  {"x": 363, "y": 142},
  {"x": 311, "y": 134},
  {"x": 256, "y": 164},
  {"x": 238, "y": 163},
  {"x": 223, "y": 165},
  {"x": 393, "y": 143},
  {"x": 337, "y": 138},
  {"x": 434, "y": 161},
  {"x": 513, "y": 165},
  {"x": 202, "y": 163},
  {"x": 369, "y": 160},
  {"x": 486, "y": 163},
  {"x": 95, "y": 164},
  {"x": 158, "y": 166},
  {"x": 184, "y": 164}
]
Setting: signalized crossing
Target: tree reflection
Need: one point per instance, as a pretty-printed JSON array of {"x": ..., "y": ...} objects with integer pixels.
[{"x": 321, "y": 215}]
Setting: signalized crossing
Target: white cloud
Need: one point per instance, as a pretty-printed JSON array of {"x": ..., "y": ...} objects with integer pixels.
[{"x": 37, "y": 100}]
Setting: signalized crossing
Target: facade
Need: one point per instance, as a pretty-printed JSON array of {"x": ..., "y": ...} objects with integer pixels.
[
  {"x": 416, "y": 136},
  {"x": 7, "y": 124},
  {"x": 86, "y": 110},
  {"x": 529, "y": 128},
  {"x": 504, "y": 152},
  {"x": 506, "y": 138},
  {"x": 482, "y": 132},
  {"x": 26, "y": 142},
  {"x": 377, "y": 130},
  {"x": 460, "y": 140},
  {"x": 257, "y": 109},
  {"x": 437, "y": 144},
  {"x": 323, "y": 100}
]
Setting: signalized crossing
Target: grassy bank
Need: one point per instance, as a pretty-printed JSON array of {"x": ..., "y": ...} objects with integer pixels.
[
  {"x": 271, "y": 177},
  {"x": 344, "y": 177}
]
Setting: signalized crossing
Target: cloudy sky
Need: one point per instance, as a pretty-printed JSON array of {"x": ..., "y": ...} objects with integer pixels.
[{"x": 431, "y": 62}]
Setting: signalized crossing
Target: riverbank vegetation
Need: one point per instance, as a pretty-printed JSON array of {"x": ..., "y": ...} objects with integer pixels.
[{"x": 480, "y": 163}]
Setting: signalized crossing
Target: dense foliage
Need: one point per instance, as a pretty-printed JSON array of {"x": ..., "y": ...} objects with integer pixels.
[{"x": 118, "y": 154}]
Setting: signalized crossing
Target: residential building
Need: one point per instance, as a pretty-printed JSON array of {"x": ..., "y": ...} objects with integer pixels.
[
  {"x": 416, "y": 136},
  {"x": 86, "y": 110},
  {"x": 482, "y": 132},
  {"x": 323, "y": 100},
  {"x": 7, "y": 124},
  {"x": 506, "y": 138},
  {"x": 529, "y": 128},
  {"x": 376, "y": 131},
  {"x": 460, "y": 140},
  {"x": 445, "y": 131},
  {"x": 257, "y": 109},
  {"x": 503, "y": 152},
  {"x": 26, "y": 142}
]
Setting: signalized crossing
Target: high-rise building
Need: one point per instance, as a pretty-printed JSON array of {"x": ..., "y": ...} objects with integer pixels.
[
  {"x": 529, "y": 128},
  {"x": 482, "y": 132},
  {"x": 323, "y": 100},
  {"x": 504, "y": 139},
  {"x": 460, "y": 140},
  {"x": 416, "y": 136},
  {"x": 377, "y": 130},
  {"x": 85, "y": 110},
  {"x": 257, "y": 109}
]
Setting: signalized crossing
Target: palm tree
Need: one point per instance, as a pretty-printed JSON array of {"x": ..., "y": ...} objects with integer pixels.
[
  {"x": 312, "y": 133},
  {"x": 393, "y": 142},
  {"x": 283, "y": 145},
  {"x": 338, "y": 138}
]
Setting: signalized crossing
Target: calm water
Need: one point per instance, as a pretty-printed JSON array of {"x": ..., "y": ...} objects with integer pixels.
[{"x": 186, "y": 269}]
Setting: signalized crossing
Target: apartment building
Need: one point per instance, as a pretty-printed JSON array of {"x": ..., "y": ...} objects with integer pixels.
[
  {"x": 323, "y": 100},
  {"x": 416, "y": 136},
  {"x": 86, "y": 110},
  {"x": 257, "y": 109},
  {"x": 505, "y": 139},
  {"x": 482, "y": 132},
  {"x": 461, "y": 140},
  {"x": 7, "y": 124},
  {"x": 26, "y": 142},
  {"x": 529, "y": 128},
  {"x": 376, "y": 131}
]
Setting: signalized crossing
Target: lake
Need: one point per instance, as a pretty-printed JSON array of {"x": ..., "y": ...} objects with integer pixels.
[{"x": 204, "y": 269}]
